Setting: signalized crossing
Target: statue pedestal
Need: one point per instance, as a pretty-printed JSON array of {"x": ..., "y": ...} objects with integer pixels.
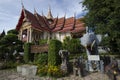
[
  {"x": 95, "y": 66},
  {"x": 27, "y": 70},
  {"x": 64, "y": 67},
  {"x": 94, "y": 63}
]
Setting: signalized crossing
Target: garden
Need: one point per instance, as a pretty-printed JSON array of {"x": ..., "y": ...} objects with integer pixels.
[{"x": 48, "y": 63}]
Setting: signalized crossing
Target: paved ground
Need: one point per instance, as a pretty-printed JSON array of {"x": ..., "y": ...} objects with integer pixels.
[{"x": 13, "y": 75}]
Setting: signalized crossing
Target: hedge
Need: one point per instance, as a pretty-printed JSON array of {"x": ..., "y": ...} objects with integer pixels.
[
  {"x": 53, "y": 56},
  {"x": 27, "y": 54}
]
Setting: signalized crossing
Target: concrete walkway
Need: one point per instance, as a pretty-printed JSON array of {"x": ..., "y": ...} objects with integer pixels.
[{"x": 13, "y": 75}]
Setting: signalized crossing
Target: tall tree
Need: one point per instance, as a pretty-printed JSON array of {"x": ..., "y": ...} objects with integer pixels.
[{"x": 104, "y": 16}]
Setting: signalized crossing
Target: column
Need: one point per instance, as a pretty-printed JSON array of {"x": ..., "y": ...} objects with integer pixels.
[
  {"x": 20, "y": 35},
  {"x": 30, "y": 37}
]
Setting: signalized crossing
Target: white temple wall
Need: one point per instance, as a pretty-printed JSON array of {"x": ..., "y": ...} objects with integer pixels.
[
  {"x": 60, "y": 36},
  {"x": 45, "y": 35},
  {"x": 63, "y": 35}
]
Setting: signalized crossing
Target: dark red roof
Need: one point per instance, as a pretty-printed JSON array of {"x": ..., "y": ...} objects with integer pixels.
[
  {"x": 20, "y": 20},
  {"x": 57, "y": 24},
  {"x": 42, "y": 22},
  {"x": 33, "y": 20}
]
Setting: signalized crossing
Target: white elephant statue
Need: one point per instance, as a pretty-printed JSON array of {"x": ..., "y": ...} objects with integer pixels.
[{"x": 90, "y": 42}]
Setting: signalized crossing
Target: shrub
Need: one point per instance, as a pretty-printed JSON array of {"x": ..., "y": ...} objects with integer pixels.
[
  {"x": 51, "y": 71},
  {"x": 9, "y": 64},
  {"x": 41, "y": 58},
  {"x": 66, "y": 43},
  {"x": 55, "y": 71},
  {"x": 27, "y": 52},
  {"x": 42, "y": 70},
  {"x": 72, "y": 45},
  {"x": 53, "y": 56},
  {"x": 35, "y": 58},
  {"x": 43, "y": 41}
]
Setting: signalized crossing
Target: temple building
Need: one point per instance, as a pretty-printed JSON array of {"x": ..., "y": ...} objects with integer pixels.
[{"x": 33, "y": 26}]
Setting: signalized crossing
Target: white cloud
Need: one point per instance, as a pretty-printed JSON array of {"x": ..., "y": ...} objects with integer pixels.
[
  {"x": 5, "y": 1},
  {"x": 58, "y": 7}
]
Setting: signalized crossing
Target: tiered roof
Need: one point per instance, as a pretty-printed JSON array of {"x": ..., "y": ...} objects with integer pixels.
[{"x": 51, "y": 24}]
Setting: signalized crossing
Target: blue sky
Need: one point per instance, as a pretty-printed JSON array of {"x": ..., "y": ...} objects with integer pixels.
[{"x": 10, "y": 10}]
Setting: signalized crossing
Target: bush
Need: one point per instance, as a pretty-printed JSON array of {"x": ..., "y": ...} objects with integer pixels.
[
  {"x": 51, "y": 71},
  {"x": 72, "y": 45},
  {"x": 42, "y": 70},
  {"x": 55, "y": 71},
  {"x": 27, "y": 54},
  {"x": 9, "y": 64},
  {"x": 41, "y": 59},
  {"x": 53, "y": 56},
  {"x": 43, "y": 41}
]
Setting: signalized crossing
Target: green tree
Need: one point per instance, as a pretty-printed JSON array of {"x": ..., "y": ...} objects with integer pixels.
[
  {"x": 66, "y": 43},
  {"x": 13, "y": 31},
  {"x": 2, "y": 34},
  {"x": 9, "y": 43},
  {"x": 104, "y": 16},
  {"x": 72, "y": 45},
  {"x": 2, "y": 49}
]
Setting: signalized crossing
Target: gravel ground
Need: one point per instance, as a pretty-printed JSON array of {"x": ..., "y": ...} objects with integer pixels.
[{"x": 13, "y": 75}]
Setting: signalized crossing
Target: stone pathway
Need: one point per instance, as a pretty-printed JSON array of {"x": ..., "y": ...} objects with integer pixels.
[{"x": 13, "y": 75}]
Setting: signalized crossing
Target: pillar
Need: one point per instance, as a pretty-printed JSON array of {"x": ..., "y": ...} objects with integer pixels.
[
  {"x": 28, "y": 34},
  {"x": 20, "y": 35},
  {"x": 30, "y": 37}
]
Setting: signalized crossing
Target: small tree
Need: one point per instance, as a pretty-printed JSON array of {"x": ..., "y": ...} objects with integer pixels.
[
  {"x": 9, "y": 43},
  {"x": 73, "y": 45},
  {"x": 66, "y": 43},
  {"x": 53, "y": 56}
]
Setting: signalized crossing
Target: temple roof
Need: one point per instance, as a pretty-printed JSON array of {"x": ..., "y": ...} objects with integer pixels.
[{"x": 42, "y": 23}]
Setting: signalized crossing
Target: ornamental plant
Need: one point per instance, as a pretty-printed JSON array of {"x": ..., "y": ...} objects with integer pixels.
[
  {"x": 55, "y": 71},
  {"x": 27, "y": 52},
  {"x": 42, "y": 70},
  {"x": 41, "y": 58},
  {"x": 53, "y": 53},
  {"x": 72, "y": 45}
]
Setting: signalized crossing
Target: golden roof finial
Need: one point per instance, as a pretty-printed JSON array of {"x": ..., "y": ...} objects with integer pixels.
[
  {"x": 35, "y": 12},
  {"x": 49, "y": 15}
]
